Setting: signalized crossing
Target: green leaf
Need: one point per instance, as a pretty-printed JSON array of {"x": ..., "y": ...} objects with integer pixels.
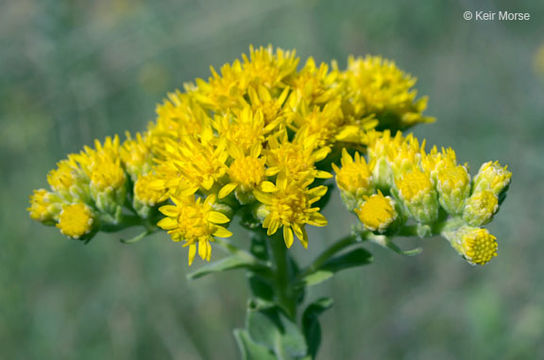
[
  {"x": 228, "y": 263},
  {"x": 352, "y": 258},
  {"x": 268, "y": 326},
  {"x": 260, "y": 287},
  {"x": 310, "y": 323},
  {"x": 251, "y": 350}
]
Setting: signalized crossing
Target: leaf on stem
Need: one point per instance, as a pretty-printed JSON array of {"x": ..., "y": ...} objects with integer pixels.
[
  {"x": 251, "y": 350},
  {"x": 229, "y": 263},
  {"x": 352, "y": 258},
  {"x": 310, "y": 323},
  {"x": 267, "y": 325}
]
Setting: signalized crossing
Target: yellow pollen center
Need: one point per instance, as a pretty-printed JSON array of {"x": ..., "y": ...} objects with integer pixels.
[
  {"x": 377, "y": 213},
  {"x": 479, "y": 246},
  {"x": 247, "y": 171},
  {"x": 75, "y": 220}
]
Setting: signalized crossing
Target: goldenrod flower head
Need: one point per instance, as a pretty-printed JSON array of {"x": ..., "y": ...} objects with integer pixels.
[
  {"x": 315, "y": 84},
  {"x": 321, "y": 124},
  {"x": 390, "y": 157},
  {"x": 354, "y": 175},
  {"x": 246, "y": 173},
  {"x": 492, "y": 176},
  {"x": 417, "y": 193},
  {"x": 377, "y": 212},
  {"x": 75, "y": 220},
  {"x": 192, "y": 163},
  {"x": 68, "y": 180},
  {"x": 264, "y": 67},
  {"x": 245, "y": 130},
  {"x": 377, "y": 86},
  {"x": 136, "y": 155},
  {"x": 107, "y": 174},
  {"x": 480, "y": 207},
  {"x": 196, "y": 222},
  {"x": 295, "y": 159},
  {"x": 290, "y": 206},
  {"x": 146, "y": 193},
  {"x": 262, "y": 100},
  {"x": 453, "y": 185},
  {"x": 476, "y": 245},
  {"x": 45, "y": 206}
]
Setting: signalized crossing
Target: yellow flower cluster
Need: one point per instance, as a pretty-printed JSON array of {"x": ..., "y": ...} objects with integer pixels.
[
  {"x": 257, "y": 134},
  {"x": 258, "y": 137},
  {"x": 402, "y": 184}
]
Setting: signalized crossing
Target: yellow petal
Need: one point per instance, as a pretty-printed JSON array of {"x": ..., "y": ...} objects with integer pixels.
[
  {"x": 304, "y": 239},
  {"x": 226, "y": 190},
  {"x": 217, "y": 218},
  {"x": 317, "y": 219},
  {"x": 287, "y": 236},
  {"x": 203, "y": 248},
  {"x": 169, "y": 210},
  {"x": 268, "y": 186},
  {"x": 222, "y": 232},
  {"x": 167, "y": 223},
  {"x": 192, "y": 253}
]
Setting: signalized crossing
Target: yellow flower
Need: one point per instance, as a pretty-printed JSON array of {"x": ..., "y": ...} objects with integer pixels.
[
  {"x": 418, "y": 195},
  {"x": 476, "y": 245},
  {"x": 136, "y": 155},
  {"x": 68, "y": 180},
  {"x": 75, "y": 220},
  {"x": 196, "y": 222},
  {"x": 246, "y": 173},
  {"x": 269, "y": 69},
  {"x": 321, "y": 124},
  {"x": 45, "y": 206},
  {"x": 315, "y": 84},
  {"x": 146, "y": 193},
  {"x": 245, "y": 130},
  {"x": 492, "y": 176},
  {"x": 107, "y": 174},
  {"x": 354, "y": 175},
  {"x": 290, "y": 207},
  {"x": 191, "y": 163},
  {"x": 378, "y": 212},
  {"x": 272, "y": 107},
  {"x": 376, "y": 86},
  {"x": 480, "y": 208},
  {"x": 295, "y": 159}
]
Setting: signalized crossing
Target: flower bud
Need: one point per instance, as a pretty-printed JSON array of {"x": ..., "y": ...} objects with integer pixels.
[
  {"x": 480, "y": 208},
  {"x": 45, "y": 206},
  {"x": 476, "y": 245},
  {"x": 492, "y": 176},
  {"x": 377, "y": 213},
  {"x": 453, "y": 185},
  {"x": 353, "y": 178},
  {"x": 75, "y": 220},
  {"x": 418, "y": 195}
]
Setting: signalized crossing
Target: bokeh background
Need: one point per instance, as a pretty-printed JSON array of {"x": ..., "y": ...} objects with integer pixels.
[{"x": 72, "y": 71}]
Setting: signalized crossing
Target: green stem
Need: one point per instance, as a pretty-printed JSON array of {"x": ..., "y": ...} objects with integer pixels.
[{"x": 283, "y": 274}]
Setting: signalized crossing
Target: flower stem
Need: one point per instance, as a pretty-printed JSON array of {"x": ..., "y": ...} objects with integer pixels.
[{"x": 283, "y": 274}]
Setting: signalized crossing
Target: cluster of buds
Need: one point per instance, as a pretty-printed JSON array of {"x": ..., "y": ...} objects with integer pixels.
[
  {"x": 97, "y": 189},
  {"x": 402, "y": 186}
]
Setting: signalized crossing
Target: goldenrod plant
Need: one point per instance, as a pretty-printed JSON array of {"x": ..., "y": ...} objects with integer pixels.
[{"x": 263, "y": 142}]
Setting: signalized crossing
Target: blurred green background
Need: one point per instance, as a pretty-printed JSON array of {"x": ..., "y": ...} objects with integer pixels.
[{"x": 72, "y": 71}]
